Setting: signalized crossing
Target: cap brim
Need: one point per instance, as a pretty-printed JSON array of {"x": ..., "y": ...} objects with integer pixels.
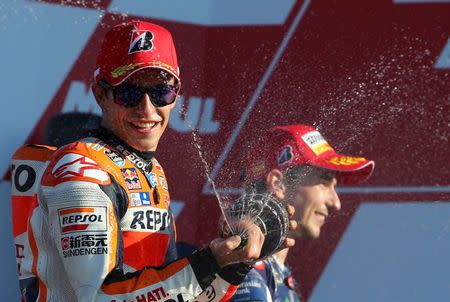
[
  {"x": 351, "y": 170},
  {"x": 114, "y": 81}
]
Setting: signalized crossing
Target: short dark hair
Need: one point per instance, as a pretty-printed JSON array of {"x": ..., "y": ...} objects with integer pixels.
[
  {"x": 297, "y": 173},
  {"x": 291, "y": 174}
]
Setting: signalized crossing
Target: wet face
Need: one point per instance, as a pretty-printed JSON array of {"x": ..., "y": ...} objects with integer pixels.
[
  {"x": 143, "y": 125},
  {"x": 313, "y": 195}
]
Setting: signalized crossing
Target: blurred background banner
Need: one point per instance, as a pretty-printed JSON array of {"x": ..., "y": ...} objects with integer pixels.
[{"x": 372, "y": 76}]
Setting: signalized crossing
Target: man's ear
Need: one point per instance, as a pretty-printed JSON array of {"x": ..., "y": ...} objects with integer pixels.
[{"x": 274, "y": 182}]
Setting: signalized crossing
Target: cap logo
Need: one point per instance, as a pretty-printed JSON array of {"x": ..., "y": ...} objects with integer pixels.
[
  {"x": 164, "y": 65},
  {"x": 123, "y": 69},
  {"x": 141, "y": 41},
  {"x": 315, "y": 141},
  {"x": 285, "y": 155},
  {"x": 346, "y": 160}
]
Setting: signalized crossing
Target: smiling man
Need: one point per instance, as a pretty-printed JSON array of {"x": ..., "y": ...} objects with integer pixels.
[
  {"x": 297, "y": 166},
  {"x": 101, "y": 228}
]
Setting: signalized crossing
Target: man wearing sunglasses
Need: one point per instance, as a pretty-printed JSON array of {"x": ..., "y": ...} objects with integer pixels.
[
  {"x": 101, "y": 229},
  {"x": 296, "y": 165}
]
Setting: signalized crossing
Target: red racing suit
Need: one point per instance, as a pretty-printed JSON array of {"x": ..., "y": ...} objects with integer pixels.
[{"x": 99, "y": 228}]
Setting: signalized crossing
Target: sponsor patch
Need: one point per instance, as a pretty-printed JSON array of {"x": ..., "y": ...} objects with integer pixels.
[
  {"x": 115, "y": 157},
  {"x": 315, "y": 141},
  {"x": 98, "y": 146},
  {"x": 123, "y": 69},
  {"x": 163, "y": 182},
  {"x": 346, "y": 160},
  {"x": 140, "y": 199},
  {"x": 131, "y": 178},
  {"x": 148, "y": 219},
  {"x": 285, "y": 156},
  {"x": 157, "y": 63},
  {"x": 91, "y": 244},
  {"x": 141, "y": 41},
  {"x": 83, "y": 219},
  {"x": 76, "y": 165},
  {"x": 137, "y": 162},
  {"x": 152, "y": 179},
  {"x": 156, "y": 295},
  {"x": 135, "y": 200}
]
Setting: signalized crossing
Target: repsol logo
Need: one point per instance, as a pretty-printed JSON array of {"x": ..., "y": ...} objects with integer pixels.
[
  {"x": 82, "y": 218},
  {"x": 152, "y": 219}
]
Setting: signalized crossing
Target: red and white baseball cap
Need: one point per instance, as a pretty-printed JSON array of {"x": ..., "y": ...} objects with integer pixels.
[
  {"x": 132, "y": 46},
  {"x": 288, "y": 146}
]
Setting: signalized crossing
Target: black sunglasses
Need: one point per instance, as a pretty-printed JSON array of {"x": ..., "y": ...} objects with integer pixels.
[{"x": 129, "y": 96}]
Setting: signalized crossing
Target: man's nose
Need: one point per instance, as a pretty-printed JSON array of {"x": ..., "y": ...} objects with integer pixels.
[
  {"x": 334, "y": 200},
  {"x": 146, "y": 104}
]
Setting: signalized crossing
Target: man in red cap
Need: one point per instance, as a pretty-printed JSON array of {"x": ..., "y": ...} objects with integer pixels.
[
  {"x": 296, "y": 165},
  {"x": 101, "y": 228}
]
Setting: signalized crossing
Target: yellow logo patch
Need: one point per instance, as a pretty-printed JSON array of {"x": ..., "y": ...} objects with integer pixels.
[
  {"x": 315, "y": 141},
  {"x": 321, "y": 148},
  {"x": 163, "y": 65},
  {"x": 346, "y": 160},
  {"x": 123, "y": 69}
]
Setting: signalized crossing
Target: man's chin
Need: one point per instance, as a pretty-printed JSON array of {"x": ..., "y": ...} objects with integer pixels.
[
  {"x": 309, "y": 233},
  {"x": 143, "y": 144}
]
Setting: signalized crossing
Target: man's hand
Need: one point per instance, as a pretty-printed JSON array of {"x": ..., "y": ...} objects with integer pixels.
[
  {"x": 224, "y": 231},
  {"x": 226, "y": 250}
]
